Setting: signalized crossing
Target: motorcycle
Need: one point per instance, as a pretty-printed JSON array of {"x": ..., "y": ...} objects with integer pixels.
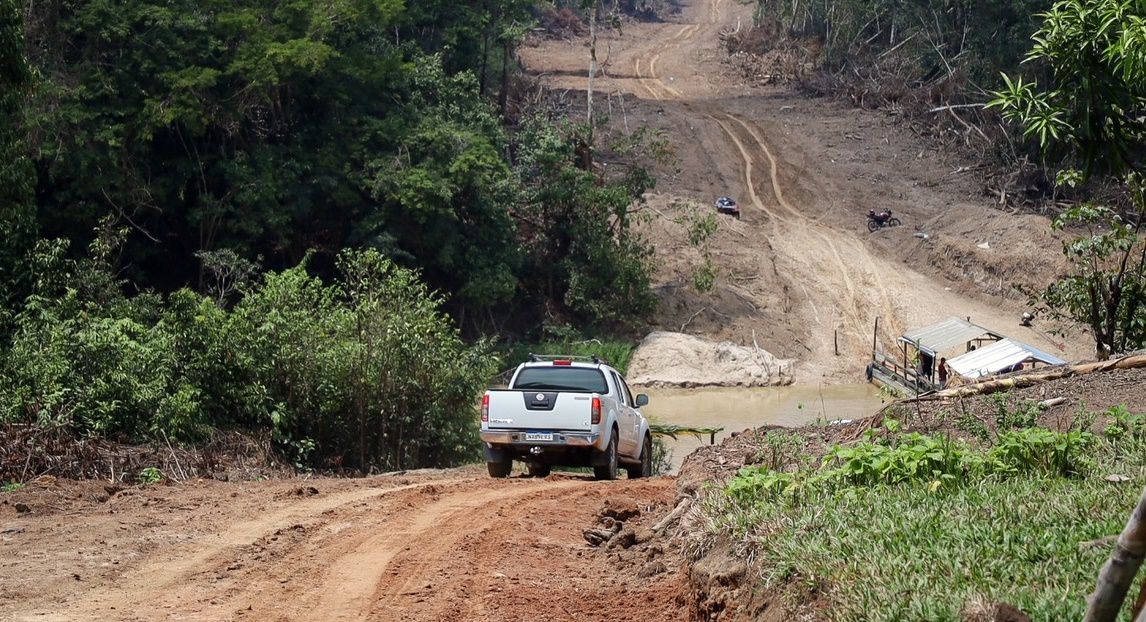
[{"x": 880, "y": 220}]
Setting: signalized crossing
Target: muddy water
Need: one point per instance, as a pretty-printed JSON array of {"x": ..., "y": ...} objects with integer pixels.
[{"x": 738, "y": 409}]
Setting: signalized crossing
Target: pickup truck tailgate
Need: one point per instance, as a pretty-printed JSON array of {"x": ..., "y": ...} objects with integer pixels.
[{"x": 542, "y": 410}]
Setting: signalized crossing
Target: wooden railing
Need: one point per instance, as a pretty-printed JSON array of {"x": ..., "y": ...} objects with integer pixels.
[{"x": 906, "y": 376}]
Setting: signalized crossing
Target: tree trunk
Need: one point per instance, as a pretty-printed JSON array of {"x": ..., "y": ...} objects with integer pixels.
[
  {"x": 592, "y": 65},
  {"x": 1118, "y": 573},
  {"x": 503, "y": 97},
  {"x": 484, "y": 64}
]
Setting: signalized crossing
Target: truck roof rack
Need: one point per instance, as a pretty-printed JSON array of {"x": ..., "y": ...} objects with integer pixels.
[{"x": 541, "y": 358}]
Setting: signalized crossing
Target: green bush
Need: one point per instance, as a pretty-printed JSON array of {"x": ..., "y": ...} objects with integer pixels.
[
  {"x": 366, "y": 373},
  {"x": 915, "y": 457},
  {"x": 83, "y": 356},
  {"x": 1039, "y": 450}
]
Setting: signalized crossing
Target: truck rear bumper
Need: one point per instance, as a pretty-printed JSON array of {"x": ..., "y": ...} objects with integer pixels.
[{"x": 516, "y": 438}]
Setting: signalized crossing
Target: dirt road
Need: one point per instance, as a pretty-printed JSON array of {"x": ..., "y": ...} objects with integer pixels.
[
  {"x": 446, "y": 546},
  {"x": 800, "y": 274}
]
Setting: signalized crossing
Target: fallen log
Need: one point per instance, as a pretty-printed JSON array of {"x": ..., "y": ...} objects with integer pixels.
[{"x": 988, "y": 387}]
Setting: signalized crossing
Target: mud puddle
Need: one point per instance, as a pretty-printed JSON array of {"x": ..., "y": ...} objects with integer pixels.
[{"x": 737, "y": 409}]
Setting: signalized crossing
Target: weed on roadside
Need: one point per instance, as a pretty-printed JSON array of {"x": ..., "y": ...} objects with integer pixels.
[
  {"x": 779, "y": 449},
  {"x": 150, "y": 475}
]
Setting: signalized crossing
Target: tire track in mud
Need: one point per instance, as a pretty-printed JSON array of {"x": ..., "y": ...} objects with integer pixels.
[
  {"x": 792, "y": 229},
  {"x": 428, "y": 554},
  {"x": 438, "y": 532},
  {"x": 715, "y": 11},
  {"x": 443, "y": 549},
  {"x": 180, "y": 575},
  {"x": 808, "y": 242},
  {"x": 384, "y": 563},
  {"x": 652, "y": 84},
  {"x": 361, "y": 555}
]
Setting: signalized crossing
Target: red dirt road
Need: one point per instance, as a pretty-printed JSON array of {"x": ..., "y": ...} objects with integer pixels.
[{"x": 450, "y": 545}]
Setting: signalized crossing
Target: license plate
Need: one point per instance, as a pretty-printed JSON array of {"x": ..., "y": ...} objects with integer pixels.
[{"x": 538, "y": 436}]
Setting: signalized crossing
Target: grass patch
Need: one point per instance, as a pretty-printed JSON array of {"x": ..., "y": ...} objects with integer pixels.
[
  {"x": 911, "y": 527},
  {"x": 905, "y": 553},
  {"x": 11, "y": 486}
]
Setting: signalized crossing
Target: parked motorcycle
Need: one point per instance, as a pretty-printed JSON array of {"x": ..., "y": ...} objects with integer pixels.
[{"x": 880, "y": 220}]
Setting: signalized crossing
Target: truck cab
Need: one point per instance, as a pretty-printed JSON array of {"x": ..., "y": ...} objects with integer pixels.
[{"x": 566, "y": 411}]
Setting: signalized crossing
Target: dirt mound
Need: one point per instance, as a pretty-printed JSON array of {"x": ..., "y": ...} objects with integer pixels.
[{"x": 677, "y": 360}]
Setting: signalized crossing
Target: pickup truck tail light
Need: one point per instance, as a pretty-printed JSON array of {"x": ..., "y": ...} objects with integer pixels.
[
  {"x": 596, "y": 411},
  {"x": 485, "y": 408}
]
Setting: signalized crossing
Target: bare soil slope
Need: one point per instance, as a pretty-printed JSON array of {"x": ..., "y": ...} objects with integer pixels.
[{"x": 800, "y": 272}]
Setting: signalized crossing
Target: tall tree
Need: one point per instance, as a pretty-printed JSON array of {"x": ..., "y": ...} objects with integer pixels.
[
  {"x": 1093, "y": 116},
  {"x": 17, "y": 212}
]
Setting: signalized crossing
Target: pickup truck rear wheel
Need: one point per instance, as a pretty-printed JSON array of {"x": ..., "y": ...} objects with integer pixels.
[
  {"x": 500, "y": 469},
  {"x": 609, "y": 469},
  {"x": 645, "y": 468}
]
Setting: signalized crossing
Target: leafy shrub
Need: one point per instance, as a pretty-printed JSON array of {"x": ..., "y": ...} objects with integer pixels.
[
  {"x": 914, "y": 457},
  {"x": 150, "y": 475},
  {"x": 780, "y": 449},
  {"x": 1040, "y": 450},
  {"x": 366, "y": 373},
  {"x": 369, "y": 370},
  {"x": 1125, "y": 425},
  {"x": 704, "y": 276},
  {"x": 1007, "y": 416},
  {"x": 1013, "y": 417},
  {"x": 662, "y": 456},
  {"x": 84, "y": 356}
]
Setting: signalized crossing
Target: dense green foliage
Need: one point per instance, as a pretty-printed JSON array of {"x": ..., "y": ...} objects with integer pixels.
[
  {"x": 1090, "y": 116},
  {"x": 871, "y": 531},
  {"x": 919, "y": 458},
  {"x": 17, "y": 212},
  {"x": 297, "y": 208},
  {"x": 1091, "y": 109},
  {"x": 272, "y": 130},
  {"x": 363, "y": 373}
]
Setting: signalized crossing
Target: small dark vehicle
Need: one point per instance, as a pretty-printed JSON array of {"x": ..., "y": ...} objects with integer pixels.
[
  {"x": 880, "y": 220},
  {"x": 726, "y": 205}
]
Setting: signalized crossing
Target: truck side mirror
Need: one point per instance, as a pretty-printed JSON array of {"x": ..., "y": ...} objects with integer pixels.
[{"x": 642, "y": 400}]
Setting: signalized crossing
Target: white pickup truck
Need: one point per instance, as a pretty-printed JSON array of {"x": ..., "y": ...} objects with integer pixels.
[{"x": 565, "y": 412}]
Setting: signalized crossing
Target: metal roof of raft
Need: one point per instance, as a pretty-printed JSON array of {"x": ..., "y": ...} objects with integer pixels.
[
  {"x": 947, "y": 334},
  {"x": 998, "y": 356}
]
